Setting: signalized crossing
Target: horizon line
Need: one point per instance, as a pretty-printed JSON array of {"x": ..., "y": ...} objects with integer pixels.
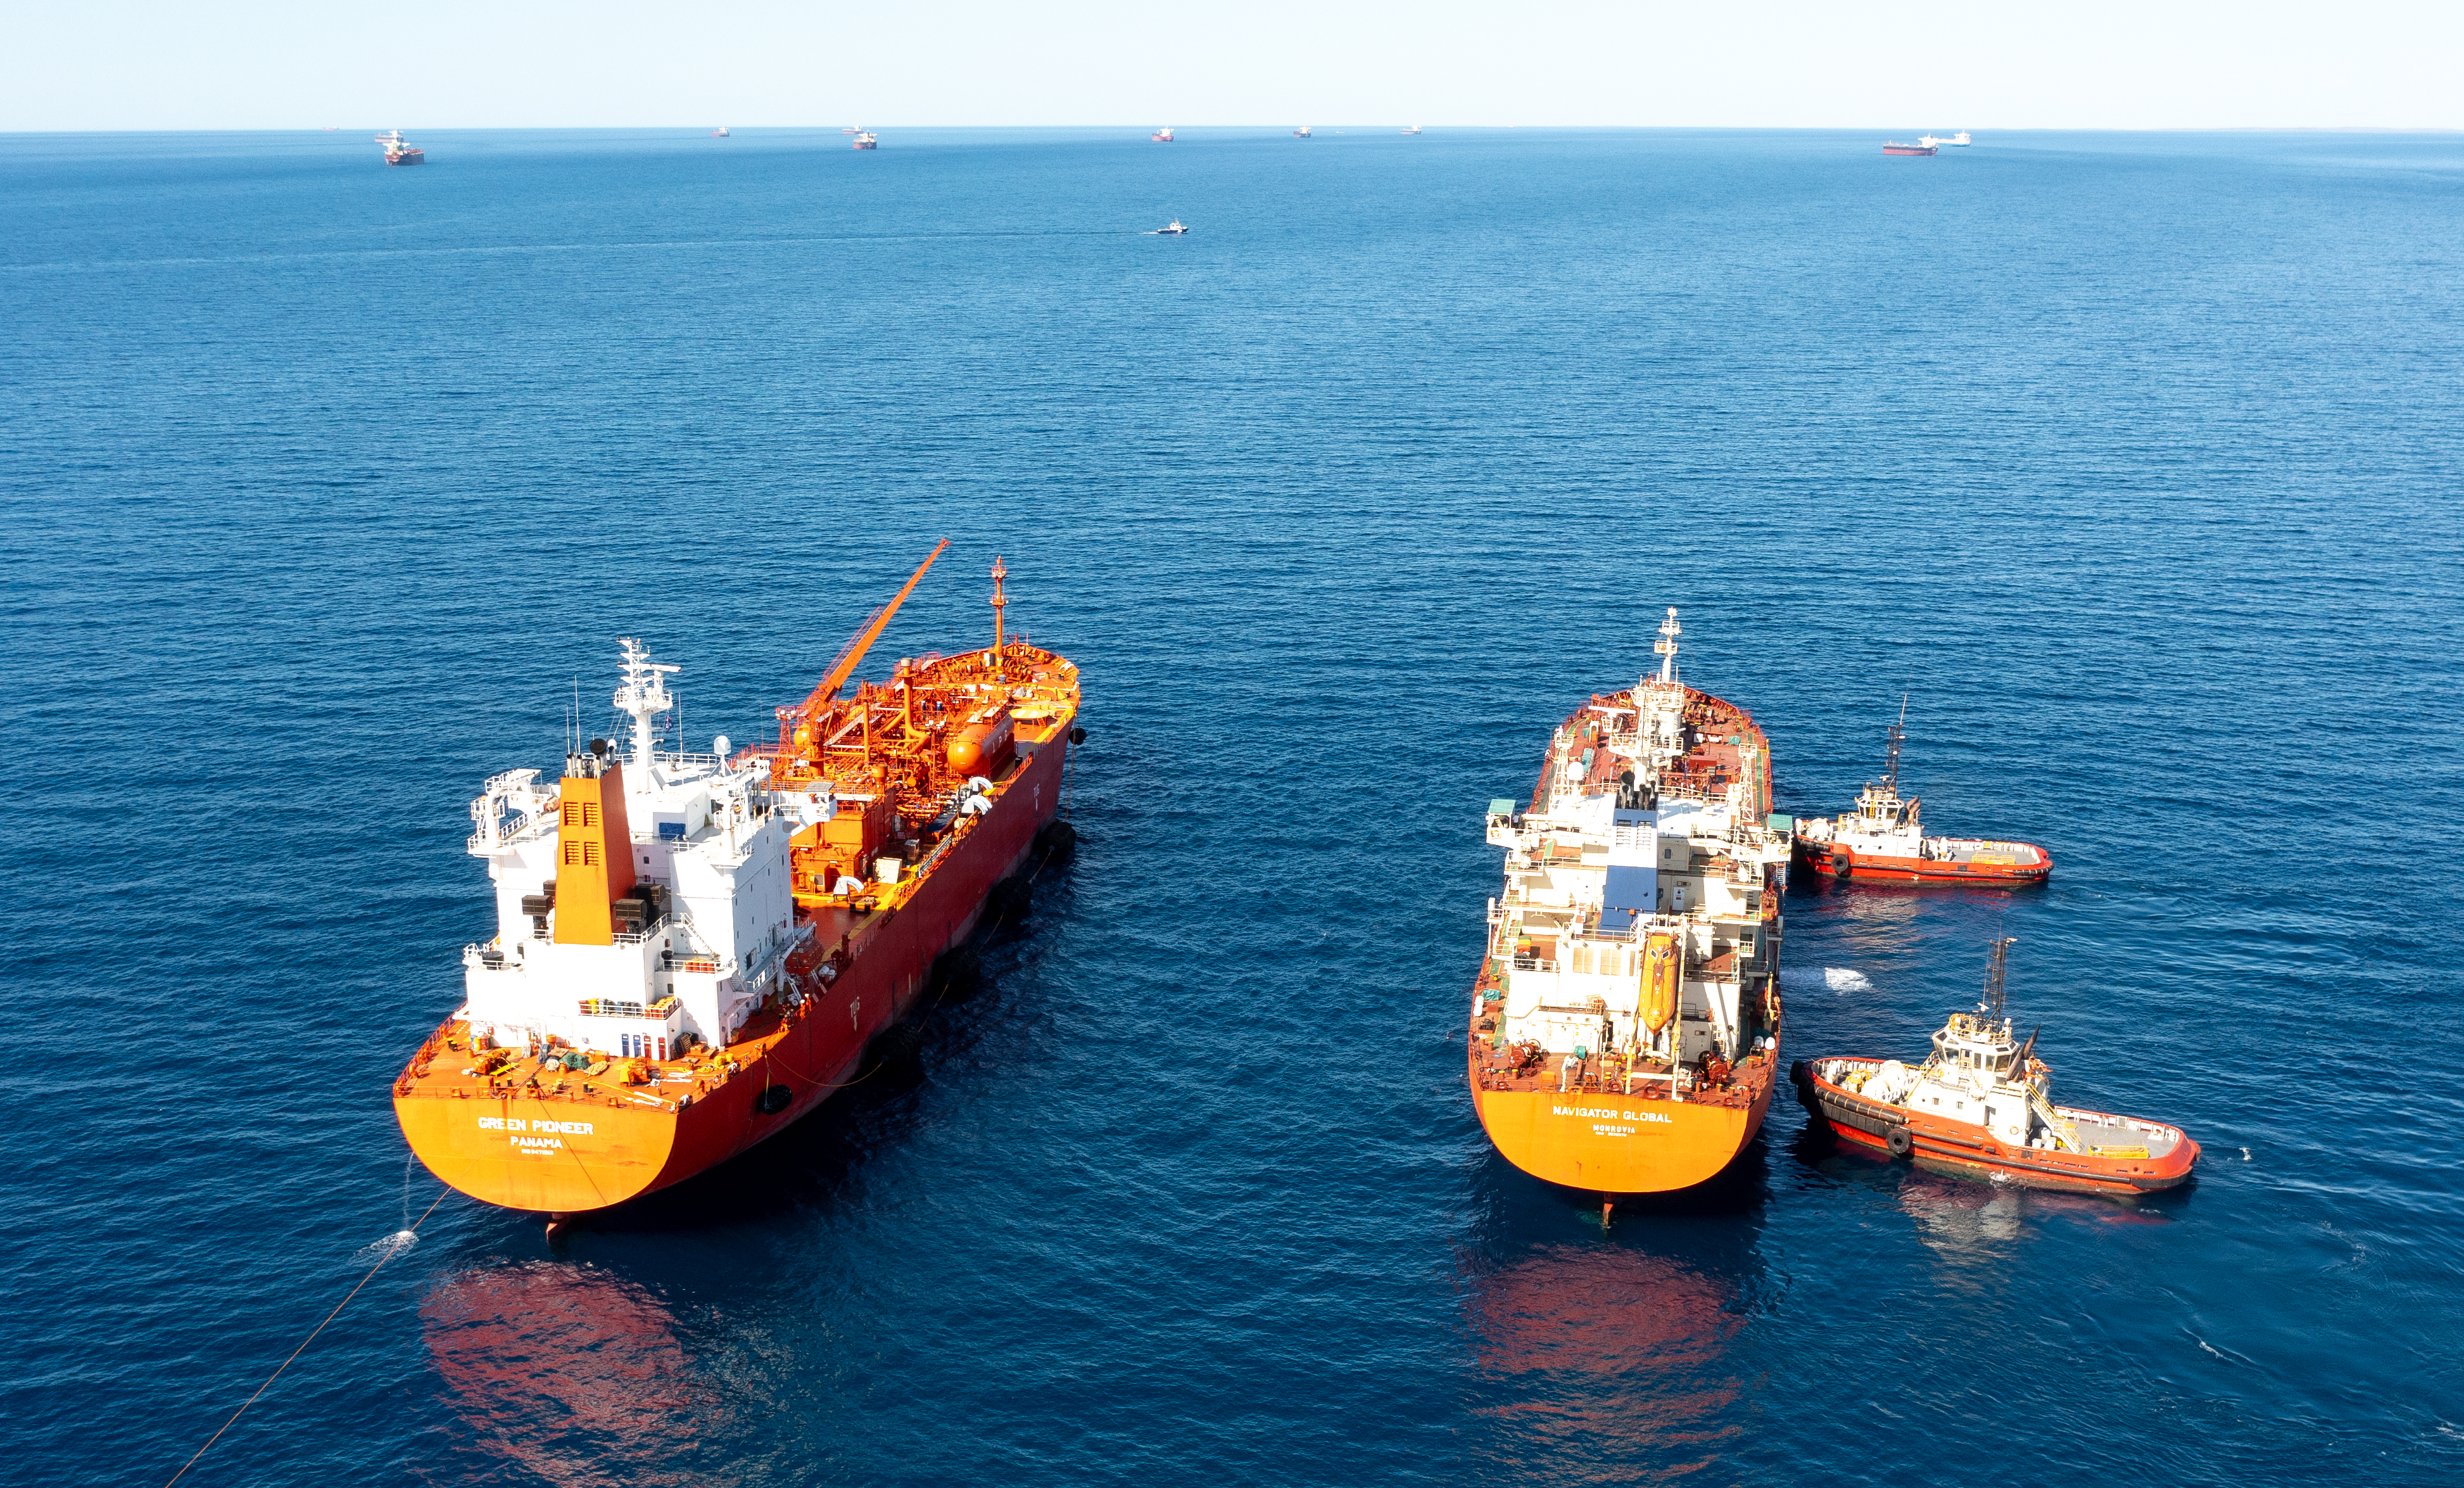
[{"x": 1972, "y": 128}]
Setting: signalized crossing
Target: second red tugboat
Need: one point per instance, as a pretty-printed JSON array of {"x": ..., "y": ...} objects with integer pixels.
[{"x": 1883, "y": 842}]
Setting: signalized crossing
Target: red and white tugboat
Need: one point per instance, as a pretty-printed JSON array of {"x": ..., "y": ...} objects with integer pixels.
[
  {"x": 397, "y": 153},
  {"x": 1883, "y": 842},
  {"x": 1163, "y": 136},
  {"x": 1979, "y": 1107}
]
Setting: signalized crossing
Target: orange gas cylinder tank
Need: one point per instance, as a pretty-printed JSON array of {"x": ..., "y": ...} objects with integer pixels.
[{"x": 983, "y": 745}]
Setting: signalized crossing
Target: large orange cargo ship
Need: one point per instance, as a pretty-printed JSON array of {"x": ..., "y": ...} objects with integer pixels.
[
  {"x": 1626, "y": 1020},
  {"x": 695, "y": 949}
]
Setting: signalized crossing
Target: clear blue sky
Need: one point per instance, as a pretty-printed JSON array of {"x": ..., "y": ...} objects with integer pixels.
[{"x": 133, "y": 64}]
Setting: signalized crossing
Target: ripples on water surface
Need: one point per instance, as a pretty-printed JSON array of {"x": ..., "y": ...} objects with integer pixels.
[{"x": 2133, "y": 459}]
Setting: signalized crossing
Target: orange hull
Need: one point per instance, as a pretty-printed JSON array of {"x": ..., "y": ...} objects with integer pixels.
[
  {"x": 604, "y": 1143},
  {"x": 1613, "y": 1144}
]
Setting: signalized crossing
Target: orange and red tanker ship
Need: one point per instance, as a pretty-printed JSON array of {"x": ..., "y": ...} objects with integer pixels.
[
  {"x": 1626, "y": 1020},
  {"x": 695, "y": 949}
]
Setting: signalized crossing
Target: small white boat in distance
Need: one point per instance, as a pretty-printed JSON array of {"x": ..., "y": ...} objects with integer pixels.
[
  {"x": 1939, "y": 140},
  {"x": 1301, "y": 133},
  {"x": 1173, "y": 229},
  {"x": 1414, "y": 129},
  {"x": 719, "y": 133},
  {"x": 1163, "y": 136}
]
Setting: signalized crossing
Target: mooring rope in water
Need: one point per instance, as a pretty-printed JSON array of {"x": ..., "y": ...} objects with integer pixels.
[{"x": 400, "y": 1243}]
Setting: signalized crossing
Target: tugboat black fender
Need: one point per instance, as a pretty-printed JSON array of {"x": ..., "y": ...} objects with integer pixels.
[
  {"x": 1844, "y": 861},
  {"x": 1898, "y": 1139}
]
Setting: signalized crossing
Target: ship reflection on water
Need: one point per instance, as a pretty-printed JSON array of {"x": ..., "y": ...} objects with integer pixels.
[
  {"x": 1605, "y": 1361},
  {"x": 566, "y": 1372},
  {"x": 1962, "y": 1220}
]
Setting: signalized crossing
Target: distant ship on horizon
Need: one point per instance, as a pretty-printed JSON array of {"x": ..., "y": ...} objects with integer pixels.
[
  {"x": 1163, "y": 136},
  {"x": 867, "y": 139},
  {"x": 1301, "y": 133},
  {"x": 398, "y": 153}
]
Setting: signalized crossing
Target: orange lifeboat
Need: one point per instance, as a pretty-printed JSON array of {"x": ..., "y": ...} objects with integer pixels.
[{"x": 1661, "y": 969}]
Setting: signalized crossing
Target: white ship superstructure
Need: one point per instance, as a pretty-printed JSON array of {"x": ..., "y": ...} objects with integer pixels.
[
  {"x": 1636, "y": 942},
  {"x": 681, "y": 948}
]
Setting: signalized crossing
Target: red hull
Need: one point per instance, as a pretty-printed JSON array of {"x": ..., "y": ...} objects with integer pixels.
[
  {"x": 826, "y": 1042},
  {"x": 1907, "y": 149},
  {"x": 1925, "y": 872},
  {"x": 408, "y": 158}
]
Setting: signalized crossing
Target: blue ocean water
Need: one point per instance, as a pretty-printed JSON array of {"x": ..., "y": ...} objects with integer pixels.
[{"x": 2131, "y": 460}]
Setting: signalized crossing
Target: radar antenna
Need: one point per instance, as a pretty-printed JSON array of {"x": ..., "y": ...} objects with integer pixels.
[
  {"x": 1991, "y": 1005},
  {"x": 644, "y": 696},
  {"x": 1666, "y": 648},
  {"x": 1891, "y": 767}
]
